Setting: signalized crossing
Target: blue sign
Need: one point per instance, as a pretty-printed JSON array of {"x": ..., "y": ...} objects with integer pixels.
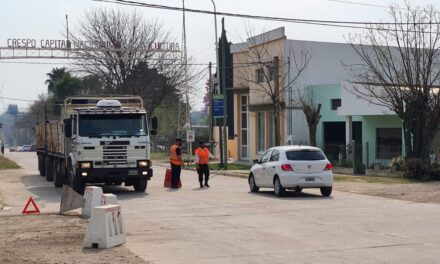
[{"x": 217, "y": 105}]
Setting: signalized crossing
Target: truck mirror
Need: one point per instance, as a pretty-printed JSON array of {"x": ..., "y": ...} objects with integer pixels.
[
  {"x": 68, "y": 128},
  {"x": 154, "y": 126}
]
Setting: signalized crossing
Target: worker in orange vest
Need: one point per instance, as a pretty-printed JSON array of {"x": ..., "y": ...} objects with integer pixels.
[
  {"x": 202, "y": 163},
  {"x": 176, "y": 163}
]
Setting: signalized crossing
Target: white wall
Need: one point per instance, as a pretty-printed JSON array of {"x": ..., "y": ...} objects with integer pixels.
[{"x": 356, "y": 105}]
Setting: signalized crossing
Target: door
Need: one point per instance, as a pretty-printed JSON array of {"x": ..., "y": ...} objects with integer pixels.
[
  {"x": 260, "y": 169},
  {"x": 271, "y": 167}
]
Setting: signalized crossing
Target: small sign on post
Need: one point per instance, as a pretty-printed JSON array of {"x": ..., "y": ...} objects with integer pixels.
[
  {"x": 190, "y": 136},
  {"x": 217, "y": 105}
]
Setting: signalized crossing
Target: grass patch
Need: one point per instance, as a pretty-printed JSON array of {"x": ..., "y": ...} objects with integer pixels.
[
  {"x": 370, "y": 179},
  {"x": 6, "y": 164},
  {"x": 231, "y": 166}
]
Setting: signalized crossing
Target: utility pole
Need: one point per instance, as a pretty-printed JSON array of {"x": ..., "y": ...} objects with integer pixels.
[
  {"x": 185, "y": 65},
  {"x": 290, "y": 98},
  {"x": 225, "y": 105},
  {"x": 210, "y": 107},
  {"x": 277, "y": 100}
]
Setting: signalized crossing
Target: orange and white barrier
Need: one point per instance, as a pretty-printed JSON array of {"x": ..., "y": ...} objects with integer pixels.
[{"x": 106, "y": 228}]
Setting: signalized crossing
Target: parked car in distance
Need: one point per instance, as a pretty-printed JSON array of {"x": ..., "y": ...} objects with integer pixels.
[
  {"x": 33, "y": 147},
  {"x": 19, "y": 148},
  {"x": 292, "y": 168},
  {"x": 12, "y": 149},
  {"x": 26, "y": 148}
]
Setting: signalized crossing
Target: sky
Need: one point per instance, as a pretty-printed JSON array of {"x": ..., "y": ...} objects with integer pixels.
[{"x": 45, "y": 19}]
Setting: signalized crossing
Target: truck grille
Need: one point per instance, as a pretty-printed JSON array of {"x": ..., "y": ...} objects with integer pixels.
[{"x": 114, "y": 155}]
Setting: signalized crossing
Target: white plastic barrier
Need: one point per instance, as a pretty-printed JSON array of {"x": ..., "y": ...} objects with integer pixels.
[
  {"x": 92, "y": 198},
  {"x": 109, "y": 198},
  {"x": 106, "y": 228}
]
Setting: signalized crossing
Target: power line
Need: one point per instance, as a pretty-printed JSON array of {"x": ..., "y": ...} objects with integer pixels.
[
  {"x": 73, "y": 63},
  {"x": 16, "y": 99},
  {"x": 360, "y": 3},
  {"x": 333, "y": 23},
  {"x": 372, "y": 5},
  {"x": 241, "y": 64}
]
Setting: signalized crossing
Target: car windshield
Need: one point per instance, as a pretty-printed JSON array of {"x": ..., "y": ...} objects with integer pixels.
[
  {"x": 305, "y": 154},
  {"x": 123, "y": 125}
]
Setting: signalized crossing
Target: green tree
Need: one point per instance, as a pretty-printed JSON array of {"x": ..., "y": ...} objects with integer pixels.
[{"x": 54, "y": 76}]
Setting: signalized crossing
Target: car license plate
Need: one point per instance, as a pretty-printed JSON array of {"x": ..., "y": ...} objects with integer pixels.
[
  {"x": 310, "y": 179},
  {"x": 132, "y": 172}
]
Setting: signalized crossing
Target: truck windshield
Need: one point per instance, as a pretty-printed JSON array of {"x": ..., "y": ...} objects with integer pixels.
[{"x": 123, "y": 125}]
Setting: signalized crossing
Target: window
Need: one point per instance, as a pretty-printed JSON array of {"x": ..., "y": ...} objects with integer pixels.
[
  {"x": 266, "y": 156},
  {"x": 244, "y": 127},
  {"x": 261, "y": 135},
  {"x": 305, "y": 154},
  {"x": 123, "y": 125},
  {"x": 259, "y": 75},
  {"x": 74, "y": 125},
  {"x": 335, "y": 103},
  {"x": 275, "y": 155},
  {"x": 271, "y": 73},
  {"x": 388, "y": 143},
  {"x": 272, "y": 133}
]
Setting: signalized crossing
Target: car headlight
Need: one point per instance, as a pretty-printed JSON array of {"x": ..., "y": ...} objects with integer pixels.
[
  {"x": 142, "y": 163},
  {"x": 85, "y": 165}
]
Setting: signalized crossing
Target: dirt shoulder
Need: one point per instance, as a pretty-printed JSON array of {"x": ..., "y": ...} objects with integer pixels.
[
  {"x": 53, "y": 239},
  {"x": 423, "y": 192}
]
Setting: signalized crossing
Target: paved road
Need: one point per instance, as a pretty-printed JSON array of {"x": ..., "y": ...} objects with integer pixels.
[{"x": 227, "y": 224}]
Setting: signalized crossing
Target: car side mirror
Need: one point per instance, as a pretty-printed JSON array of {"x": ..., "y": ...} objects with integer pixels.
[
  {"x": 154, "y": 126},
  {"x": 67, "y": 127},
  {"x": 255, "y": 161}
]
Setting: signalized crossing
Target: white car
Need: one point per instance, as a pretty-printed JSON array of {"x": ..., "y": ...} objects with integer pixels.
[
  {"x": 293, "y": 168},
  {"x": 26, "y": 148}
]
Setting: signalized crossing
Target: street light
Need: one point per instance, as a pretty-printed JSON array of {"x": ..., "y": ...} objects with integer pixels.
[
  {"x": 211, "y": 132},
  {"x": 216, "y": 39}
]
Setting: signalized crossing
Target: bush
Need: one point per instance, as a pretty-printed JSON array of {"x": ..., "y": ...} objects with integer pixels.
[
  {"x": 416, "y": 169},
  {"x": 343, "y": 164},
  {"x": 435, "y": 173},
  {"x": 397, "y": 164}
]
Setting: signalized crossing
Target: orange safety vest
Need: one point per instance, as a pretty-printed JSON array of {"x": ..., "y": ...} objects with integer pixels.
[
  {"x": 203, "y": 155},
  {"x": 174, "y": 158}
]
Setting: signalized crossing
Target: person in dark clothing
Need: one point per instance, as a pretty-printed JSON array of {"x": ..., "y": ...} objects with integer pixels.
[{"x": 176, "y": 163}]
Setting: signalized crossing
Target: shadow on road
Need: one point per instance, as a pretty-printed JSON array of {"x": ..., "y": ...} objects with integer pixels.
[
  {"x": 291, "y": 195},
  {"x": 46, "y": 191}
]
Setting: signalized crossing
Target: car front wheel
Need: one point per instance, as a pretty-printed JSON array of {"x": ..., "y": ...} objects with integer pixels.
[
  {"x": 254, "y": 188},
  {"x": 279, "y": 190},
  {"x": 326, "y": 191}
]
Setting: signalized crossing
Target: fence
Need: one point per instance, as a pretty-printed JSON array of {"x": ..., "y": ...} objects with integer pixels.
[{"x": 362, "y": 156}]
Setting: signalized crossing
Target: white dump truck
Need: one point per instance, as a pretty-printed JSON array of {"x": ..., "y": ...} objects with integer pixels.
[{"x": 102, "y": 140}]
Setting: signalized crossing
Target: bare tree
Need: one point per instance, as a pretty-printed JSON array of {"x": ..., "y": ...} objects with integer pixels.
[
  {"x": 123, "y": 51},
  {"x": 400, "y": 70},
  {"x": 268, "y": 76},
  {"x": 304, "y": 100}
]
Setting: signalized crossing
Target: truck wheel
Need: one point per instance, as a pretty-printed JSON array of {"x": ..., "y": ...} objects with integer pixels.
[
  {"x": 41, "y": 163},
  {"x": 141, "y": 185},
  {"x": 48, "y": 169},
  {"x": 74, "y": 181},
  {"x": 58, "y": 178}
]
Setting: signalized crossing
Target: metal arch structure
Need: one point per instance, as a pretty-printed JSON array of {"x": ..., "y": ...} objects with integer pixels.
[{"x": 7, "y": 53}]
